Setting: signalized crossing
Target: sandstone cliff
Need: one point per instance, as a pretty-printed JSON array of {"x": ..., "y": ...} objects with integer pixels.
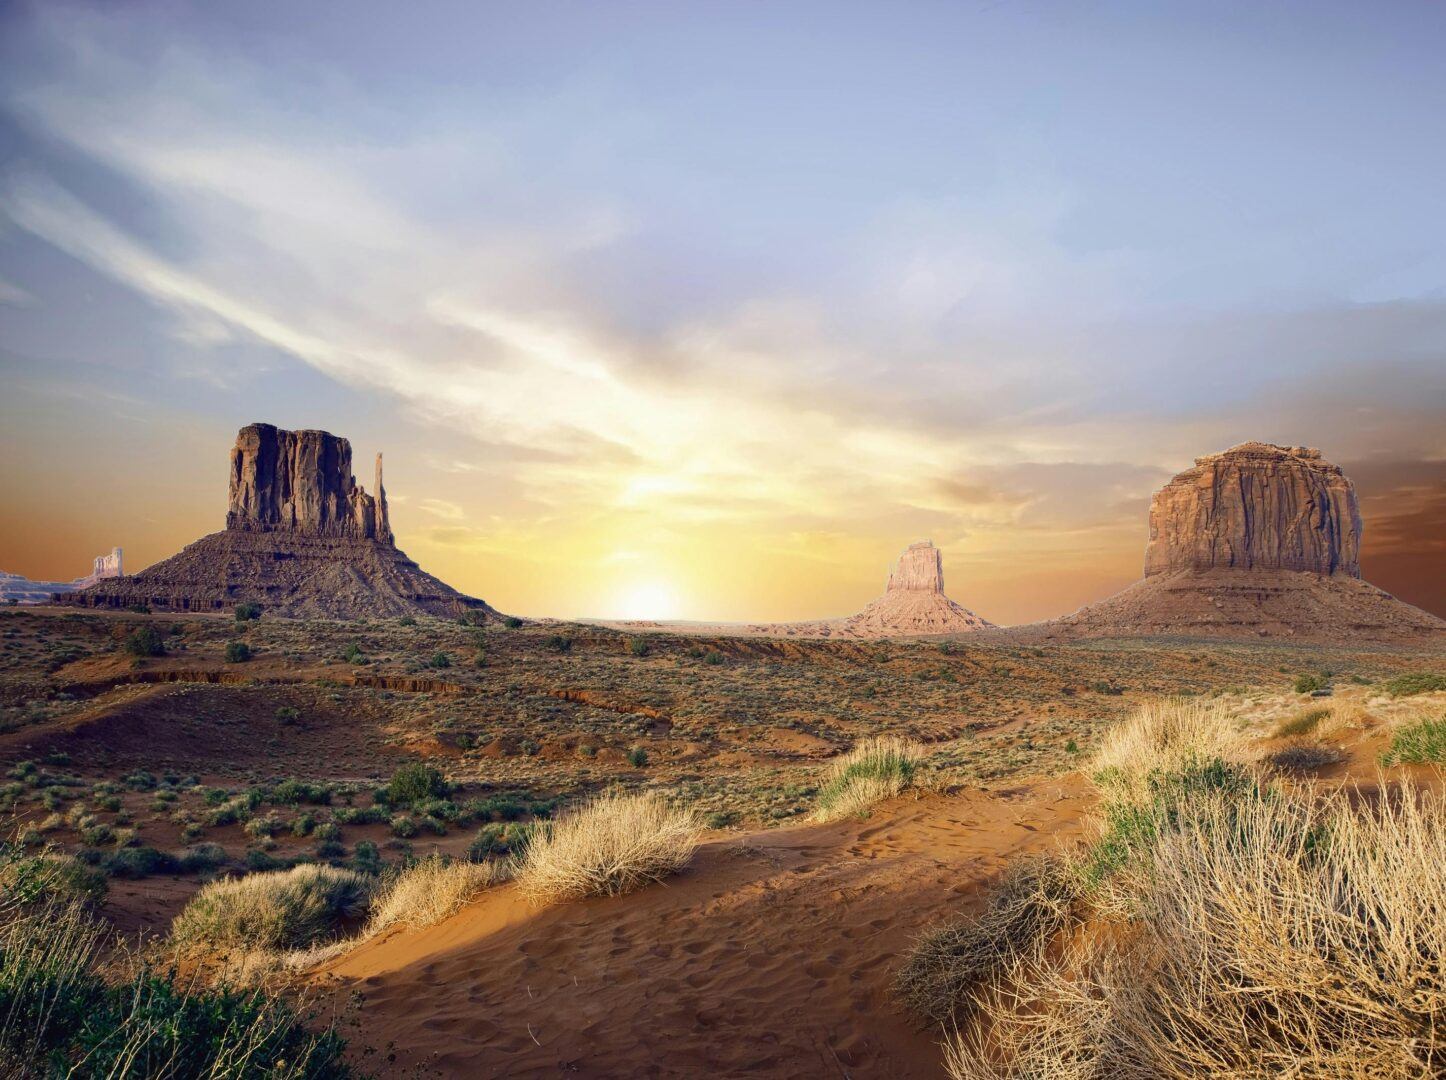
[
  {"x": 1256, "y": 507},
  {"x": 1257, "y": 541},
  {"x": 302, "y": 539},
  {"x": 301, "y": 481}
]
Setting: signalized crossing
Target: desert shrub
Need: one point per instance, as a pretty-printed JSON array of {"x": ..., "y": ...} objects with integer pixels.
[
  {"x": 875, "y": 769},
  {"x": 1275, "y": 937},
  {"x": 245, "y": 612},
  {"x": 407, "y": 620},
  {"x": 48, "y": 875},
  {"x": 558, "y": 643},
  {"x": 1309, "y": 682},
  {"x": 499, "y": 838},
  {"x": 415, "y": 782},
  {"x": 512, "y": 622},
  {"x": 366, "y": 858},
  {"x": 404, "y": 826},
  {"x": 429, "y": 891},
  {"x": 713, "y": 657},
  {"x": 472, "y": 618},
  {"x": 1422, "y": 742},
  {"x": 441, "y": 660},
  {"x": 288, "y": 715},
  {"x": 1302, "y": 723},
  {"x": 638, "y": 756},
  {"x": 353, "y": 654},
  {"x": 1022, "y": 914},
  {"x": 277, "y": 910},
  {"x": 237, "y": 652},
  {"x": 1415, "y": 682},
  {"x": 1304, "y": 757},
  {"x": 145, "y": 641},
  {"x": 140, "y": 862},
  {"x": 59, "y": 1017},
  {"x": 638, "y": 646},
  {"x": 607, "y": 847},
  {"x": 202, "y": 857}
]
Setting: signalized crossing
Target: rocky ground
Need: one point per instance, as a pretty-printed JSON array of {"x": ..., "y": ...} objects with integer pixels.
[{"x": 109, "y": 752}]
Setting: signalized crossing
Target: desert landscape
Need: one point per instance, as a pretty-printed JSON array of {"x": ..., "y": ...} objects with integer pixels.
[
  {"x": 842, "y": 846},
  {"x": 873, "y": 541}
]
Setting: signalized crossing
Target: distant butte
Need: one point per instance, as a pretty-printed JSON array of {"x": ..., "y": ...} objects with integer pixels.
[
  {"x": 1257, "y": 541},
  {"x": 302, "y": 539}
]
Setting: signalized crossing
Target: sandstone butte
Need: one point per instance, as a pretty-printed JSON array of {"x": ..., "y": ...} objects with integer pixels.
[
  {"x": 913, "y": 605},
  {"x": 1259, "y": 540},
  {"x": 302, "y": 539}
]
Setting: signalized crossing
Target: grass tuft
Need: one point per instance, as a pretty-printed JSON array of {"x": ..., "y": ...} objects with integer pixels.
[
  {"x": 875, "y": 769},
  {"x": 607, "y": 847},
  {"x": 285, "y": 909},
  {"x": 1420, "y": 743}
]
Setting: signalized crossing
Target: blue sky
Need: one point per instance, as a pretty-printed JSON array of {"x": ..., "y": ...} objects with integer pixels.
[{"x": 721, "y": 303}]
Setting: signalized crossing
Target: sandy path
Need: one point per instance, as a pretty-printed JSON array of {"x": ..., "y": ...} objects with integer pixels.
[{"x": 771, "y": 956}]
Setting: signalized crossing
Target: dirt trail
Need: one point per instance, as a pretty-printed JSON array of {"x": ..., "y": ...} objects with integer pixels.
[{"x": 771, "y": 956}]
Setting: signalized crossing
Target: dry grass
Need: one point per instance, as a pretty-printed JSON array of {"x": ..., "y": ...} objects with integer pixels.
[
  {"x": 949, "y": 963},
  {"x": 429, "y": 891},
  {"x": 1302, "y": 723},
  {"x": 876, "y": 768},
  {"x": 1279, "y": 936},
  {"x": 1161, "y": 739},
  {"x": 287, "y": 909},
  {"x": 608, "y": 847}
]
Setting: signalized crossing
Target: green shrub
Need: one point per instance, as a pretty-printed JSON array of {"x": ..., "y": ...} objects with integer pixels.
[
  {"x": 237, "y": 652},
  {"x": 61, "y": 1018},
  {"x": 140, "y": 862},
  {"x": 48, "y": 876},
  {"x": 407, "y": 620},
  {"x": 558, "y": 643},
  {"x": 415, "y": 782},
  {"x": 288, "y": 715},
  {"x": 404, "y": 826},
  {"x": 638, "y": 646},
  {"x": 1420, "y": 743},
  {"x": 145, "y": 641},
  {"x": 245, "y": 612},
  {"x": 1302, "y": 723},
  {"x": 875, "y": 769},
  {"x": 366, "y": 858},
  {"x": 472, "y": 618},
  {"x": 352, "y": 654},
  {"x": 279, "y": 910},
  {"x": 512, "y": 622},
  {"x": 1309, "y": 682},
  {"x": 638, "y": 756},
  {"x": 441, "y": 660},
  {"x": 713, "y": 657},
  {"x": 497, "y": 839},
  {"x": 1415, "y": 682}
]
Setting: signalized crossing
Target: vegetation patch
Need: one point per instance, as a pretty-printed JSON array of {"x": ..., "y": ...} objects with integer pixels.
[
  {"x": 1416, "y": 682},
  {"x": 875, "y": 769},
  {"x": 607, "y": 847},
  {"x": 287, "y": 909},
  {"x": 1420, "y": 743}
]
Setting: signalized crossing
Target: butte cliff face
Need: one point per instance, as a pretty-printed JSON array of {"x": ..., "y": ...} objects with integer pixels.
[
  {"x": 301, "y": 482},
  {"x": 302, "y": 539},
  {"x": 913, "y": 605},
  {"x": 1256, "y": 507},
  {"x": 1257, "y": 541}
]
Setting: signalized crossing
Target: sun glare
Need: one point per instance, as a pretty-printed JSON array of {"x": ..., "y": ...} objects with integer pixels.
[{"x": 647, "y": 600}]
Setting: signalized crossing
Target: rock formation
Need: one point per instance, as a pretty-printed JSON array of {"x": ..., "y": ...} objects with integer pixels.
[
  {"x": 21, "y": 590},
  {"x": 913, "y": 605},
  {"x": 1257, "y": 541},
  {"x": 1256, "y": 507},
  {"x": 302, "y": 539},
  {"x": 301, "y": 482}
]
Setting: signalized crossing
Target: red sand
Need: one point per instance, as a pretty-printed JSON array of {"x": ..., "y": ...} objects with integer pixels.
[{"x": 771, "y": 956}]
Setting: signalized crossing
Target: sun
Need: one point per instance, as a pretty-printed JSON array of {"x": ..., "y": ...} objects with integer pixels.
[{"x": 647, "y": 600}]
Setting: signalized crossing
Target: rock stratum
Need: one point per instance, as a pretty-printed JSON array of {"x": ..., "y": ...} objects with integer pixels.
[
  {"x": 1257, "y": 541},
  {"x": 303, "y": 539}
]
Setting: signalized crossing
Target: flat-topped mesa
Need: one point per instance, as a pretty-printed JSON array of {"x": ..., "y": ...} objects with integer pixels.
[
  {"x": 1256, "y": 506},
  {"x": 919, "y": 569},
  {"x": 301, "y": 481}
]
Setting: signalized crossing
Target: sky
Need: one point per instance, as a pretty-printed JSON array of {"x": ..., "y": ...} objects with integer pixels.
[{"x": 706, "y": 311}]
